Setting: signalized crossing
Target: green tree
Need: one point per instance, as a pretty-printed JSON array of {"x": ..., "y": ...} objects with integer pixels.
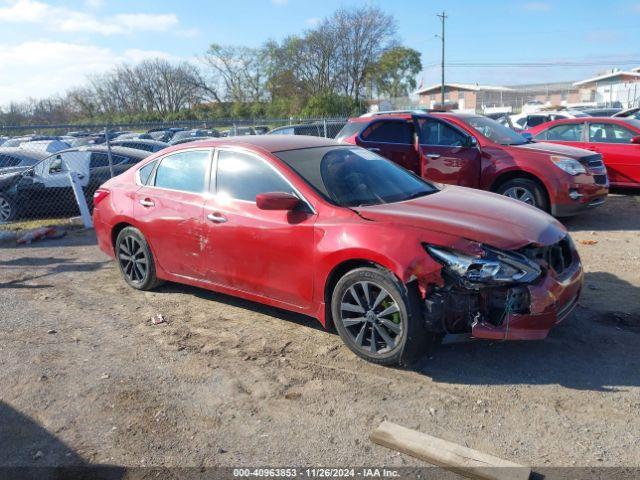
[{"x": 394, "y": 74}]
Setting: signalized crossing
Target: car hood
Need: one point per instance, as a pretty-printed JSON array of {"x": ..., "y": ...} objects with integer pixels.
[
  {"x": 554, "y": 149},
  {"x": 474, "y": 215}
]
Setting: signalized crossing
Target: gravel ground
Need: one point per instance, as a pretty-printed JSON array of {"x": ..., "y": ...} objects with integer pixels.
[{"x": 86, "y": 377}]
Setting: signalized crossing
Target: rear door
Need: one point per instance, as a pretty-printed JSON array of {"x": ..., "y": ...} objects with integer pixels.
[
  {"x": 169, "y": 208},
  {"x": 620, "y": 156},
  {"x": 393, "y": 139},
  {"x": 446, "y": 154}
]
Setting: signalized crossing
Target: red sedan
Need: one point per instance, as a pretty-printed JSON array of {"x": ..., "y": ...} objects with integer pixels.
[
  {"x": 339, "y": 233},
  {"x": 616, "y": 139}
]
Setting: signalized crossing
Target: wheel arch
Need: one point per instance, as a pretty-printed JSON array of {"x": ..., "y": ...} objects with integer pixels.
[
  {"x": 513, "y": 174},
  {"x": 337, "y": 272}
]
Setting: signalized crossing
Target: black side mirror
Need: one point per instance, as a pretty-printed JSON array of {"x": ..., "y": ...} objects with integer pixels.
[{"x": 472, "y": 142}]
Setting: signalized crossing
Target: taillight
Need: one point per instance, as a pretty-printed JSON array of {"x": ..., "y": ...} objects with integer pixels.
[{"x": 100, "y": 195}]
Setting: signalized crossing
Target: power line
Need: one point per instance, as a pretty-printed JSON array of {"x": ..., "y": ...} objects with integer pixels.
[{"x": 540, "y": 64}]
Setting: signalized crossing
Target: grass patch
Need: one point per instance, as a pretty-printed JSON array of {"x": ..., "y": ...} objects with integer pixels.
[{"x": 37, "y": 223}]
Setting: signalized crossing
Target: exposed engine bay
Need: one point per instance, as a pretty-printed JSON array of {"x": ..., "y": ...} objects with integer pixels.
[{"x": 491, "y": 288}]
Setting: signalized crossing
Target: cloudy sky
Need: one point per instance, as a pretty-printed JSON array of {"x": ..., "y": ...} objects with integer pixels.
[{"x": 47, "y": 46}]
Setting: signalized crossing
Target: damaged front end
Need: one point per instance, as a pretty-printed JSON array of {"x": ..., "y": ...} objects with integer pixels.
[{"x": 503, "y": 295}]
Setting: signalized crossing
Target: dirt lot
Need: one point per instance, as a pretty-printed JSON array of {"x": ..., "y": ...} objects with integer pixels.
[{"x": 227, "y": 382}]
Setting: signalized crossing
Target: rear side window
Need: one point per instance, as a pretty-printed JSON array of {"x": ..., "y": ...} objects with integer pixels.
[
  {"x": 242, "y": 177},
  {"x": 145, "y": 172},
  {"x": 433, "y": 132},
  {"x": 563, "y": 133},
  {"x": 389, "y": 132},
  {"x": 100, "y": 159},
  {"x": 609, "y": 133},
  {"x": 349, "y": 130},
  {"x": 185, "y": 171}
]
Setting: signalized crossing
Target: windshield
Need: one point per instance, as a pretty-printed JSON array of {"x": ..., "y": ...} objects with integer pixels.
[
  {"x": 354, "y": 177},
  {"x": 350, "y": 129},
  {"x": 495, "y": 131}
]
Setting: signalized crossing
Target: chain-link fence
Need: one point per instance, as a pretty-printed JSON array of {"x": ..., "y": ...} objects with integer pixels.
[{"x": 49, "y": 173}]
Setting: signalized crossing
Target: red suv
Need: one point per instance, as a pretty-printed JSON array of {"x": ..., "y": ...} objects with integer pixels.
[{"x": 478, "y": 152}]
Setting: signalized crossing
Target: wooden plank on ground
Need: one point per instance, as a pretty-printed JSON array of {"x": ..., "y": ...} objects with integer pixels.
[{"x": 465, "y": 461}]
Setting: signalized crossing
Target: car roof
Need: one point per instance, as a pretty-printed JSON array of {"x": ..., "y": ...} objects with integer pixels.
[
  {"x": 265, "y": 143},
  {"x": 116, "y": 150}
]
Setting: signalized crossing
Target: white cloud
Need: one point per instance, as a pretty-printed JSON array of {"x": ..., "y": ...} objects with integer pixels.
[
  {"x": 94, "y": 3},
  {"x": 68, "y": 20},
  {"x": 279, "y": 3},
  {"x": 41, "y": 68},
  {"x": 537, "y": 6},
  {"x": 313, "y": 21}
]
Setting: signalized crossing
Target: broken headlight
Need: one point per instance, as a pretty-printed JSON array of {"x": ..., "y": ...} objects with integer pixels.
[{"x": 493, "y": 267}]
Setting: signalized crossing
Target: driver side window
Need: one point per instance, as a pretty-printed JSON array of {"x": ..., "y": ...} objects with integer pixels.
[{"x": 433, "y": 132}]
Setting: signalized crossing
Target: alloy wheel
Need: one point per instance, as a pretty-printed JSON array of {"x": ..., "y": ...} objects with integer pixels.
[
  {"x": 133, "y": 259},
  {"x": 371, "y": 317},
  {"x": 5, "y": 210},
  {"x": 521, "y": 194}
]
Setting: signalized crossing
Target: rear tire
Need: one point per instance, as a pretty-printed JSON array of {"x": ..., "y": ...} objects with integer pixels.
[
  {"x": 527, "y": 191},
  {"x": 135, "y": 260},
  {"x": 378, "y": 318}
]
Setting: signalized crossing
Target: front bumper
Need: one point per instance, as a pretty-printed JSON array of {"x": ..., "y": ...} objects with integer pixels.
[
  {"x": 589, "y": 195},
  {"x": 552, "y": 300}
]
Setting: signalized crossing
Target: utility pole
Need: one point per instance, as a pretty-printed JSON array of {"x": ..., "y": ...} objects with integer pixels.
[{"x": 442, "y": 17}]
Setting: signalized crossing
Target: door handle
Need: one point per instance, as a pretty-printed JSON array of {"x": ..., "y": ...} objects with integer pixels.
[
  {"x": 433, "y": 155},
  {"x": 217, "y": 218},
  {"x": 147, "y": 203},
  {"x": 373, "y": 149}
]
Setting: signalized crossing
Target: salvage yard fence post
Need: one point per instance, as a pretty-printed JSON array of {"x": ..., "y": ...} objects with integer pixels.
[
  {"x": 74, "y": 178},
  {"x": 109, "y": 157}
]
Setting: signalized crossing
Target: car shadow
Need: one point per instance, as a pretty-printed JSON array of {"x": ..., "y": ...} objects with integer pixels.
[
  {"x": 621, "y": 211},
  {"x": 29, "y": 451},
  {"x": 73, "y": 237},
  {"x": 52, "y": 266},
  {"x": 286, "y": 315},
  {"x": 593, "y": 349}
]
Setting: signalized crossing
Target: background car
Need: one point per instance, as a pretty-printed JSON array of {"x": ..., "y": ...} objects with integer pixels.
[
  {"x": 45, "y": 188},
  {"x": 190, "y": 139},
  {"x": 616, "y": 139},
  {"x": 529, "y": 120},
  {"x": 195, "y": 133},
  {"x": 339, "y": 233},
  {"x": 328, "y": 129},
  {"x": 15, "y": 159},
  {"x": 601, "y": 112},
  {"x": 478, "y": 152},
  {"x": 140, "y": 144},
  {"x": 629, "y": 113}
]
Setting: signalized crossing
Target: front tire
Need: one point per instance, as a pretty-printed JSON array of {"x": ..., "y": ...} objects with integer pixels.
[
  {"x": 377, "y": 318},
  {"x": 135, "y": 259},
  {"x": 527, "y": 191},
  {"x": 8, "y": 209}
]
